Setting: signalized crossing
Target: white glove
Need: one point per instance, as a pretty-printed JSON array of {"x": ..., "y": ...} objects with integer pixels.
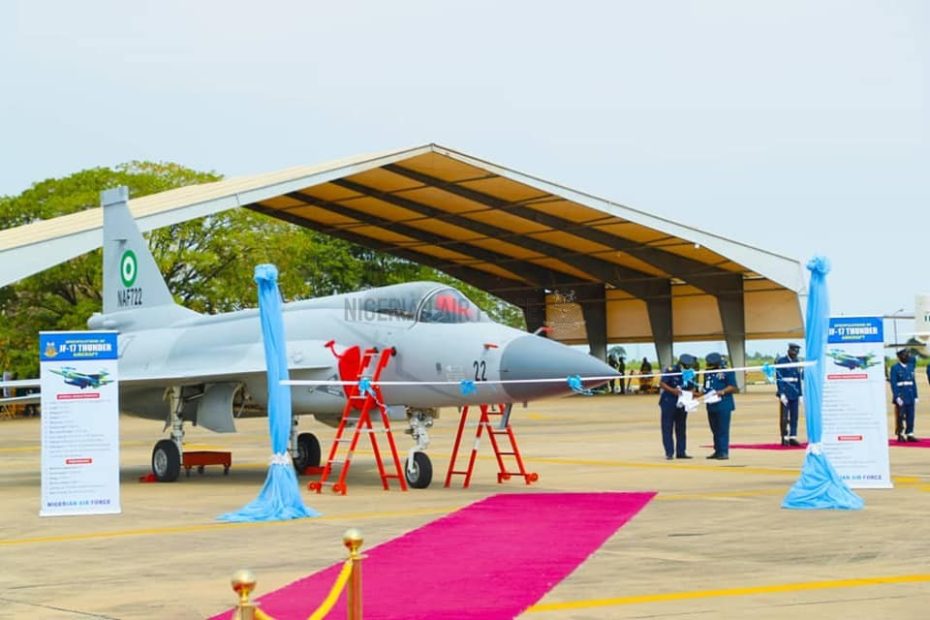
[
  {"x": 783, "y": 399},
  {"x": 900, "y": 401},
  {"x": 711, "y": 397},
  {"x": 916, "y": 400},
  {"x": 801, "y": 399}
]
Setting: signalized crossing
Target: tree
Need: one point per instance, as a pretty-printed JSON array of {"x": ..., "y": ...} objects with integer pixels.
[{"x": 64, "y": 296}]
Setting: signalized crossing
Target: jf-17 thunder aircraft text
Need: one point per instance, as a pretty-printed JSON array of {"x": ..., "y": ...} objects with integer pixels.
[{"x": 211, "y": 368}]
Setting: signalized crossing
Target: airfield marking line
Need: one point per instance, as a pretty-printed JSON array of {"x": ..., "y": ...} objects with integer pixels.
[
  {"x": 19, "y": 449},
  {"x": 38, "y": 446},
  {"x": 719, "y": 495},
  {"x": 186, "y": 529},
  {"x": 663, "y": 465},
  {"x": 744, "y": 591}
]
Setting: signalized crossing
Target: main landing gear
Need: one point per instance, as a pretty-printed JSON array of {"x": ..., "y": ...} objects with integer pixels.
[
  {"x": 166, "y": 461},
  {"x": 304, "y": 448},
  {"x": 166, "y": 457}
]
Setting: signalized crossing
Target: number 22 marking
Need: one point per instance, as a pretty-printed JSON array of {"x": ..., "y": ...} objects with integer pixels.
[{"x": 481, "y": 370}]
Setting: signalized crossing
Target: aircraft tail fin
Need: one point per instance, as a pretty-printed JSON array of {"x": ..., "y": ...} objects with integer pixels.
[
  {"x": 922, "y": 315},
  {"x": 131, "y": 278}
]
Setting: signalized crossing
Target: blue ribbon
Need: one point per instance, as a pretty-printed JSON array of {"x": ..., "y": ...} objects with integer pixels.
[
  {"x": 574, "y": 382},
  {"x": 364, "y": 387},
  {"x": 769, "y": 371},
  {"x": 467, "y": 387},
  {"x": 687, "y": 375}
]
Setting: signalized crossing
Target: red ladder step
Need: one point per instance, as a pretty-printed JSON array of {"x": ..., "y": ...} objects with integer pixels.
[
  {"x": 364, "y": 403},
  {"x": 485, "y": 422}
]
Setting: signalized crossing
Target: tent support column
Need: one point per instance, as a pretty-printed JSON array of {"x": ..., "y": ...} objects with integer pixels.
[
  {"x": 593, "y": 300},
  {"x": 659, "y": 308},
  {"x": 733, "y": 317}
]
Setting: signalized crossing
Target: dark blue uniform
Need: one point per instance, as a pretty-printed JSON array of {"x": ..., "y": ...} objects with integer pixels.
[
  {"x": 719, "y": 414},
  {"x": 904, "y": 387},
  {"x": 673, "y": 417},
  {"x": 788, "y": 382}
]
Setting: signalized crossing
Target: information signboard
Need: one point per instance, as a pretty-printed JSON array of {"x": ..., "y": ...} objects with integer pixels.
[
  {"x": 80, "y": 423},
  {"x": 855, "y": 422}
]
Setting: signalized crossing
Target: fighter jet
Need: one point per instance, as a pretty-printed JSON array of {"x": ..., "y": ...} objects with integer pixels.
[
  {"x": 80, "y": 379},
  {"x": 852, "y": 362},
  {"x": 211, "y": 368}
]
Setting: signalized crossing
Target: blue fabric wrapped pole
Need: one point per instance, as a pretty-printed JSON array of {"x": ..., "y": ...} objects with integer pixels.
[
  {"x": 819, "y": 486},
  {"x": 280, "y": 497}
]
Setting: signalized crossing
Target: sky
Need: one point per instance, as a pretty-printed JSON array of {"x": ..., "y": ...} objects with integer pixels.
[{"x": 798, "y": 127}]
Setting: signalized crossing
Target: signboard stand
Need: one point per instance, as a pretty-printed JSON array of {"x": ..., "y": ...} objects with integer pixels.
[
  {"x": 855, "y": 425},
  {"x": 80, "y": 423}
]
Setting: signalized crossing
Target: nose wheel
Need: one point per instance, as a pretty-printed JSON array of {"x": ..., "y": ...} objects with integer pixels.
[{"x": 419, "y": 470}]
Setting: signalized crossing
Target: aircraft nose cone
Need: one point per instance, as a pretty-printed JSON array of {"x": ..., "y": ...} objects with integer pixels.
[{"x": 535, "y": 357}]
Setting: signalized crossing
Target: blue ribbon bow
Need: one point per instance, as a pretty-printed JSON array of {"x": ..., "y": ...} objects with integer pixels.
[
  {"x": 364, "y": 387},
  {"x": 467, "y": 387},
  {"x": 574, "y": 382}
]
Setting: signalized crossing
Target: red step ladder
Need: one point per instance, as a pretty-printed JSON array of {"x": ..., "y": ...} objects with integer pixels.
[
  {"x": 485, "y": 422},
  {"x": 353, "y": 366}
]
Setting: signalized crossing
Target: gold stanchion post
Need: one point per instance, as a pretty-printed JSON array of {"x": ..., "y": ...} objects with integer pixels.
[
  {"x": 353, "y": 540},
  {"x": 243, "y": 582}
]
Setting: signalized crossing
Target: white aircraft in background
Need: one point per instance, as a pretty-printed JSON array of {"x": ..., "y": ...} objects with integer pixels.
[
  {"x": 211, "y": 368},
  {"x": 918, "y": 340}
]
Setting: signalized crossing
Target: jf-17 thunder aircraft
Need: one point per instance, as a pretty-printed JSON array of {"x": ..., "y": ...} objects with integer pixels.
[
  {"x": 80, "y": 379},
  {"x": 211, "y": 368}
]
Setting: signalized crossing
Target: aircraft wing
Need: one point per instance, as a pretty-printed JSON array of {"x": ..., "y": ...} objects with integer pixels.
[
  {"x": 216, "y": 365},
  {"x": 223, "y": 364}
]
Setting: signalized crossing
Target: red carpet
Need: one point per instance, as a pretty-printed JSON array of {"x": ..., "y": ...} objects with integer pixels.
[
  {"x": 492, "y": 559},
  {"x": 920, "y": 443}
]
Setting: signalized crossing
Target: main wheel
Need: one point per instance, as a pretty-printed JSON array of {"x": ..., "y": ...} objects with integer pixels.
[
  {"x": 308, "y": 452},
  {"x": 166, "y": 461},
  {"x": 419, "y": 472}
]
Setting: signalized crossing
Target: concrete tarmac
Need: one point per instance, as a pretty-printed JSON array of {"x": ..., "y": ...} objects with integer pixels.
[{"x": 714, "y": 543}]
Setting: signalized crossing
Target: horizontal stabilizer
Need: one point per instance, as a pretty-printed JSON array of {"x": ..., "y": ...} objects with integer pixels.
[
  {"x": 20, "y": 384},
  {"x": 21, "y": 400}
]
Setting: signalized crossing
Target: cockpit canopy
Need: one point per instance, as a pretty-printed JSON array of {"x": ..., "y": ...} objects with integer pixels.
[
  {"x": 424, "y": 302},
  {"x": 447, "y": 305}
]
